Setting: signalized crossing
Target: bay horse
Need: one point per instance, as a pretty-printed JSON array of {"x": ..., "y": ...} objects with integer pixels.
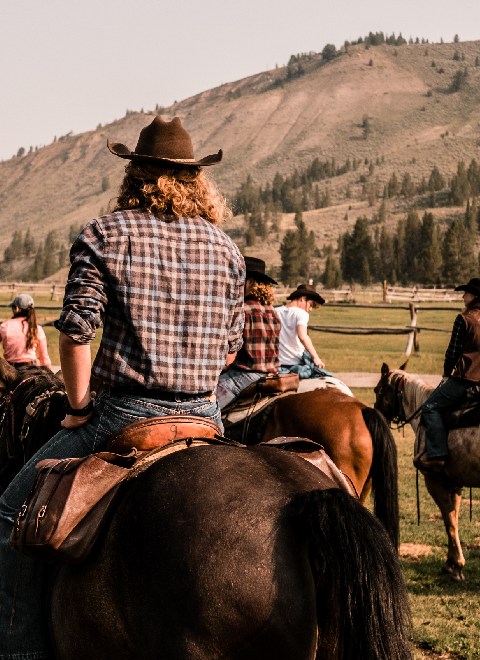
[
  {"x": 233, "y": 552},
  {"x": 399, "y": 395},
  {"x": 355, "y": 436}
]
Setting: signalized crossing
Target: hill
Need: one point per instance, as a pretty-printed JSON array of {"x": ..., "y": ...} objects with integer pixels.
[{"x": 397, "y": 107}]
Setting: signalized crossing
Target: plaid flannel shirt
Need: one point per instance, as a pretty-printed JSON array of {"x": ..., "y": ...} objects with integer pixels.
[
  {"x": 260, "y": 338},
  {"x": 455, "y": 346},
  {"x": 169, "y": 292}
]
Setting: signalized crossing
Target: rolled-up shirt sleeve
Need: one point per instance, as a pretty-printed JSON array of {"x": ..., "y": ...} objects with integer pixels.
[{"x": 86, "y": 296}]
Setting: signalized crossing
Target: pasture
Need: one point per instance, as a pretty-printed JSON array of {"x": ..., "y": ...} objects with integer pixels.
[{"x": 445, "y": 613}]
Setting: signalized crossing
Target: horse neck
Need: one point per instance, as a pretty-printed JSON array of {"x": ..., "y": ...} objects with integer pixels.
[{"x": 415, "y": 393}]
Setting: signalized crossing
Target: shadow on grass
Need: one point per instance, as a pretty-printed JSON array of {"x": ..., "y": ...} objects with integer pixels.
[{"x": 424, "y": 576}]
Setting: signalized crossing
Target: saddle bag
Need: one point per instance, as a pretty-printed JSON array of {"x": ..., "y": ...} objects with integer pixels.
[
  {"x": 68, "y": 502},
  {"x": 272, "y": 384}
]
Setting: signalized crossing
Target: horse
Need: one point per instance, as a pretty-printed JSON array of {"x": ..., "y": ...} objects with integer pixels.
[
  {"x": 220, "y": 551},
  {"x": 355, "y": 436},
  {"x": 399, "y": 396}
]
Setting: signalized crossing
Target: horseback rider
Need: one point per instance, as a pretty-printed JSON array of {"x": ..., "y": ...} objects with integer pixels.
[
  {"x": 259, "y": 353},
  {"x": 461, "y": 370},
  {"x": 24, "y": 341},
  {"x": 296, "y": 352},
  {"x": 167, "y": 285}
]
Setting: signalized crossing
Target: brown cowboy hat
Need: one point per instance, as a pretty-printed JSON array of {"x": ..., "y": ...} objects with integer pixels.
[
  {"x": 164, "y": 143},
  {"x": 472, "y": 286},
  {"x": 256, "y": 270},
  {"x": 308, "y": 291}
]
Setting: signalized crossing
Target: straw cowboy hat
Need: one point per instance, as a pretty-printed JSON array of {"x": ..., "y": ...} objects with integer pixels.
[
  {"x": 256, "y": 270},
  {"x": 308, "y": 291},
  {"x": 472, "y": 286},
  {"x": 164, "y": 143}
]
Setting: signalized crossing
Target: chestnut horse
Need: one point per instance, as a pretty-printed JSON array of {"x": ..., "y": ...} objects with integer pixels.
[
  {"x": 219, "y": 552},
  {"x": 355, "y": 436},
  {"x": 399, "y": 395}
]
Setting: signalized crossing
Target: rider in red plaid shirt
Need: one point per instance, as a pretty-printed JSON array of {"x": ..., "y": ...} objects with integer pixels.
[{"x": 259, "y": 353}]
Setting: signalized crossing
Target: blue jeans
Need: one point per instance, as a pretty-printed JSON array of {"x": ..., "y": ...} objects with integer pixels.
[
  {"x": 305, "y": 368},
  {"x": 448, "y": 393},
  {"x": 232, "y": 382},
  {"x": 23, "y": 630}
]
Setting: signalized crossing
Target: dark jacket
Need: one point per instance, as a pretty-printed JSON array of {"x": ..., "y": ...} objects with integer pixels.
[{"x": 468, "y": 365}]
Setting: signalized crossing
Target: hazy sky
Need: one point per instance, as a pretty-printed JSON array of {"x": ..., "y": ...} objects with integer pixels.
[{"x": 68, "y": 65}]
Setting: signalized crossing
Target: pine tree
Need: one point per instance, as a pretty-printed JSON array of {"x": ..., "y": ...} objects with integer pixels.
[
  {"x": 459, "y": 263},
  {"x": 290, "y": 274},
  {"x": 430, "y": 247}
]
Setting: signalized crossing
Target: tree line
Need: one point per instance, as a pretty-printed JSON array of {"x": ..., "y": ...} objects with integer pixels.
[{"x": 46, "y": 256}]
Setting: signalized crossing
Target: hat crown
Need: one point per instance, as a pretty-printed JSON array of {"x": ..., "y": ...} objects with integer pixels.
[
  {"x": 307, "y": 290},
  {"x": 22, "y": 301},
  {"x": 165, "y": 139}
]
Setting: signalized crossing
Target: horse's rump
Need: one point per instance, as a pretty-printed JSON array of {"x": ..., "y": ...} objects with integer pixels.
[{"x": 233, "y": 556}]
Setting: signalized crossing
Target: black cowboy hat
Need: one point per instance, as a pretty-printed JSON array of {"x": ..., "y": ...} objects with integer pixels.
[
  {"x": 256, "y": 270},
  {"x": 164, "y": 143},
  {"x": 308, "y": 291},
  {"x": 472, "y": 286}
]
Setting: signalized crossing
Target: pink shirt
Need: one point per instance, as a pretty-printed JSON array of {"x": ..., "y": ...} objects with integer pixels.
[{"x": 13, "y": 335}]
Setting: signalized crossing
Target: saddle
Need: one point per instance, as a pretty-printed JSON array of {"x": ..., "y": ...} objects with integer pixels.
[
  {"x": 467, "y": 413},
  {"x": 248, "y": 413}
]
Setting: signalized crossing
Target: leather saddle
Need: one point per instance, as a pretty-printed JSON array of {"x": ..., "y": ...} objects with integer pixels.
[
  {"x": 155, "y": 432},
  {"x": 467, "y": 414}
]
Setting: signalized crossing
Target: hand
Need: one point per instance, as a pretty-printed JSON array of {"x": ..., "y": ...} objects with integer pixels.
[
  {"x": 319, "y": 363},
  {"x": 71, "y": 422}
]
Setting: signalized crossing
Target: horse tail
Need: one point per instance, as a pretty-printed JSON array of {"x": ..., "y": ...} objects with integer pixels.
[
  {"x": 384, "y": 473},
  {"x": 362, "y": 602}
]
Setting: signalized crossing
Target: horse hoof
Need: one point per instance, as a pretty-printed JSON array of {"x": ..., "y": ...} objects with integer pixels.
[{"x": 454, "y": 572}]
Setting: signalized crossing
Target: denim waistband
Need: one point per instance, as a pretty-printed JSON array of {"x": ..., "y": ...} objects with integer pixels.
[{"x": 163, "y": 395}]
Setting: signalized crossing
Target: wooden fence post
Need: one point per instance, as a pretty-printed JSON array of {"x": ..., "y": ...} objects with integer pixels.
[{"x": 412, "y": 341}]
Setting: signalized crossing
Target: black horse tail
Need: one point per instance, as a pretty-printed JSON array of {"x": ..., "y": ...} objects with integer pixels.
[
  {"x": 384, "y": 473},
  {"x": 362, "y": 603}
]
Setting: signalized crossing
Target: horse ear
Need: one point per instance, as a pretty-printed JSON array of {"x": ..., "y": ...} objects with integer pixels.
[
  {"x": 7, "y": 373},
  {"x": 404, "y": 366},
  {"x": 385, "y": 370}
]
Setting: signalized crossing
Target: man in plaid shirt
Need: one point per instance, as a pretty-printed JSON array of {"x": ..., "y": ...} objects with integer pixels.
[
  {"x": 259, "y": 353},
  {"x": 167, "y": 285}
]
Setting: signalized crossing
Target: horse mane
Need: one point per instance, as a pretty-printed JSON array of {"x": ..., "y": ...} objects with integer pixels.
[
  {"x": 415, "y": 391},
  {"x": 31, "y": 410}
]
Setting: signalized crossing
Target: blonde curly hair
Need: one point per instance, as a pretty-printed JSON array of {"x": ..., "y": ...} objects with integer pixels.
[
  {"x": 264, "y": 293},
  {"x": 186, "y": 192}
]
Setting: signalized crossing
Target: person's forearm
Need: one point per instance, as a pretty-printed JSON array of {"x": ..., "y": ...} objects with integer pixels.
[
  {"x": 308, "y": 344},
  {"x": 75, "y": 361},
  {"x": 230, "y": 359}
]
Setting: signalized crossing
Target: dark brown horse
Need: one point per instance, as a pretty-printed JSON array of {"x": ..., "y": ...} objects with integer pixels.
[
  {"x": 229, "y": 552},
  {"x": 399, "y": 396},
  {"x": 355, "y": 436}
]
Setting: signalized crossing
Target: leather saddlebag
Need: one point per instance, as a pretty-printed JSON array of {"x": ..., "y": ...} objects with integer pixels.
[
  {"x": 272, "y": 384},
  {"x": 67, "y": 504}
]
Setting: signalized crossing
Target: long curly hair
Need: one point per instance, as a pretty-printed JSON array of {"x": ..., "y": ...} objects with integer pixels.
[
  {"x": 264, "y": 293},
  {"x": 186, "y": 192}
]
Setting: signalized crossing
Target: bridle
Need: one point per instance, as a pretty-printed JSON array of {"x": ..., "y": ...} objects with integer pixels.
[{"x": 398, "y": 418}]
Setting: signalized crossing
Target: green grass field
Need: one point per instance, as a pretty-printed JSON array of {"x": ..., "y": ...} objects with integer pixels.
[{"x": 445, "y": 614}]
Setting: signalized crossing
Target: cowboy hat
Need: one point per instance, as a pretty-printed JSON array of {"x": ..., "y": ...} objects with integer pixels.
[
  {"x": 256, "y": 270},
  {"x": 308, "y": 291},
  {"x": 472, "y": 286},
  {"x": 163, "y": 143}
]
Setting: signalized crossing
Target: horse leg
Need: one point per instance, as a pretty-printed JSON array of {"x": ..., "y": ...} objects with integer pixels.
[{"x": 448, "y": 501}]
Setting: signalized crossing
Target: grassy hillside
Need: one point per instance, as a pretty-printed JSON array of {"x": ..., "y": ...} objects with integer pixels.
[{"x": 277, "y": 121}]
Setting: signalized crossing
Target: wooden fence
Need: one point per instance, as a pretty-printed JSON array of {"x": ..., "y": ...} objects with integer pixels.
[{"x": 411, "y": 330}]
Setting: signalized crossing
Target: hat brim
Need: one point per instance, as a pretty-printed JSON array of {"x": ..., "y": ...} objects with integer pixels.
[
  {"x": 316, "y": 297},
  {"x": 468, "y": 289},
  {"x": 122, "y": 151},
  {"x": 260, "y": 277}
]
